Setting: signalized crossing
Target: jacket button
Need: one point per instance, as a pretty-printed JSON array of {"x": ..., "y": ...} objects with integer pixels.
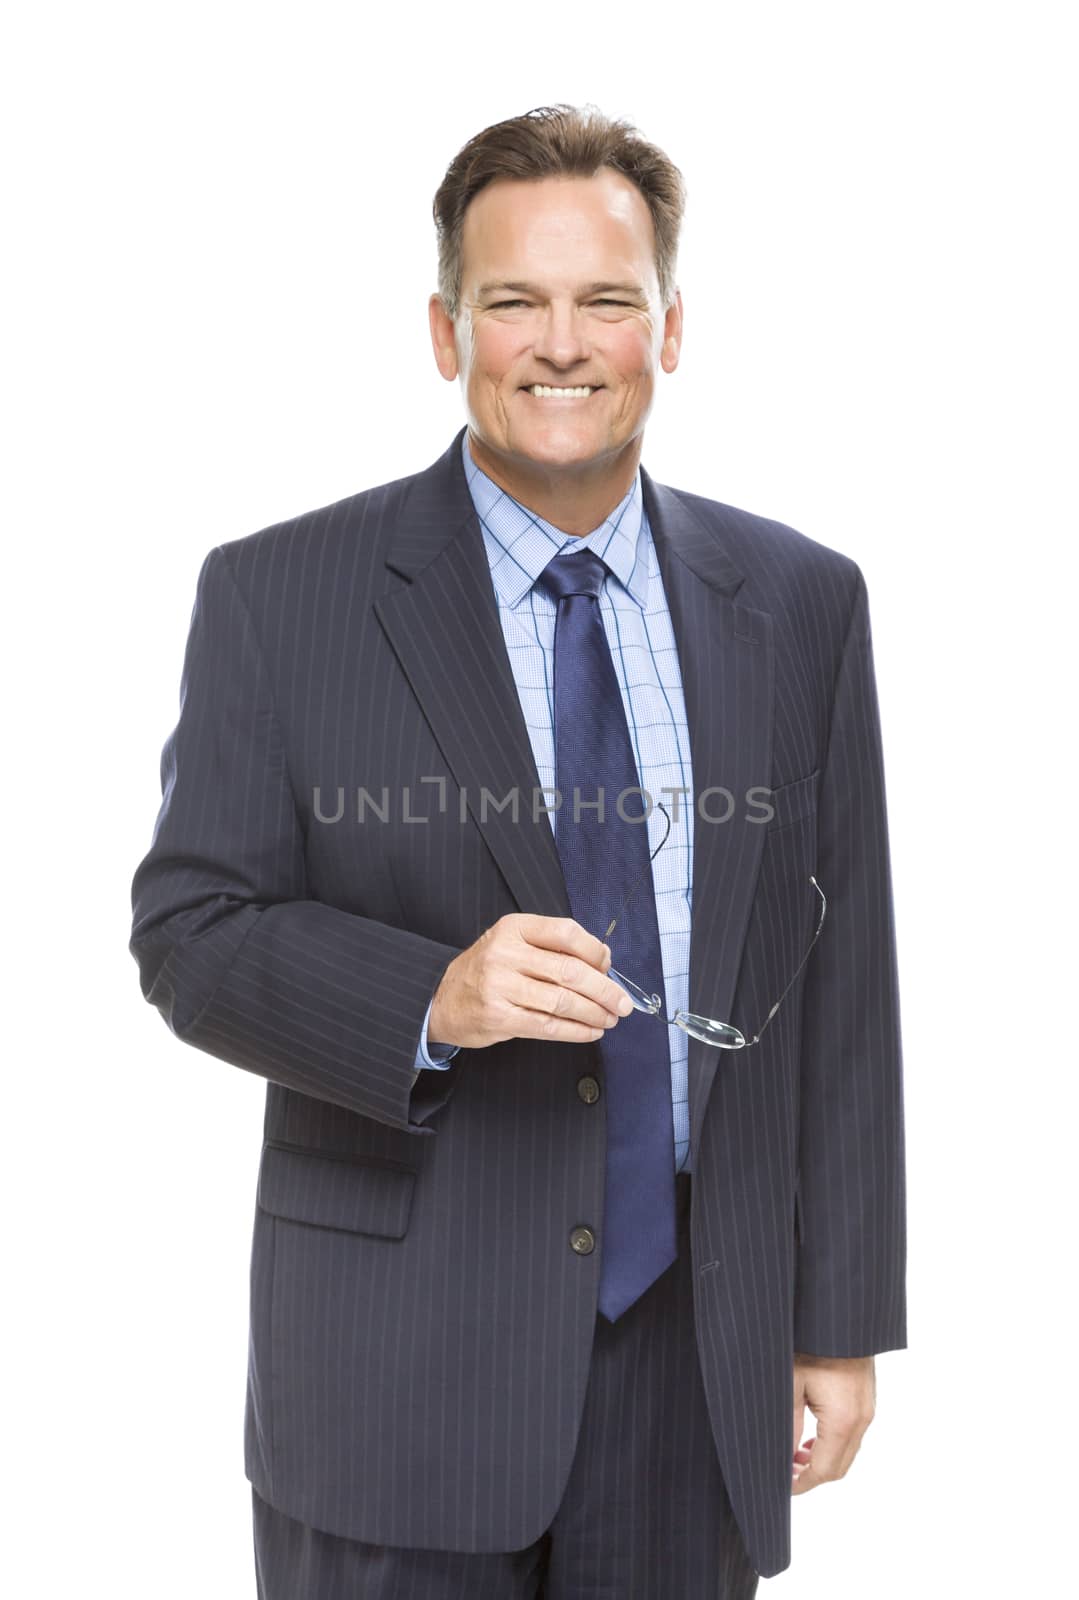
[
  {"x": 588, "y": 1089},
  {"x": 583, "y": 1241}
]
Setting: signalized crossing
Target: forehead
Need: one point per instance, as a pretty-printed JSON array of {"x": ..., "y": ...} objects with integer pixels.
[{"x": 597, "y": 228}]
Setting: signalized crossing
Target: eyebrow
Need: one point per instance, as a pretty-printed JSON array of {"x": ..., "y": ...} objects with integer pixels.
[{"x": 588, "y": 288}]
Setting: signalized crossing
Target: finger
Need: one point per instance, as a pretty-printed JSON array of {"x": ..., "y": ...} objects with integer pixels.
[
  {"x": 835, "y": 1447},
  {"x": 565, "y": 935},
  {"x": 522, "y": 1024},
  {"x": 802, "y": 1476},
  {"x": 571, "y": 972},
  {"x": 555, "y": 1000}
]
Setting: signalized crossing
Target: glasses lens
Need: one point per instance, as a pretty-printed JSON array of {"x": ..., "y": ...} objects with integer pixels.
[
  {"x": 709, "y": 1032},
  {"x": 643, "y": 1002}
]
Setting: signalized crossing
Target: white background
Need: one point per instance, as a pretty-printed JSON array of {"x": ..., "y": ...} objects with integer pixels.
[{"x": 219, "y": 253}]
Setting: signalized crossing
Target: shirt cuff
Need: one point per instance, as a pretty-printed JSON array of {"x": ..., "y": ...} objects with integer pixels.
[{"x": 433, "y": 1055}]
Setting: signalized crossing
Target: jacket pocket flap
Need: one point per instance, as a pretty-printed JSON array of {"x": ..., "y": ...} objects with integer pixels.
[
  {"x": 333, "y": 1192},
  {"x": 793, "y": 800}
]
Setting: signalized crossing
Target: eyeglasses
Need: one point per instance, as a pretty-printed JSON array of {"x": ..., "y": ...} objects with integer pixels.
[{"x": 724, "y": 1035}]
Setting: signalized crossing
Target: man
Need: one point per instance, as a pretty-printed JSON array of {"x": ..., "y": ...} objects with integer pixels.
[{"x": 538, "y": 1273}]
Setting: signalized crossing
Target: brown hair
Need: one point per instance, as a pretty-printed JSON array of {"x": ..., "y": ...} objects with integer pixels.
[{"x": 545, "y": 142}]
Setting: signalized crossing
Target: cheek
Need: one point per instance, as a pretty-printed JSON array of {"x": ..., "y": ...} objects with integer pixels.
[
  {"x": 631, "y": 355},
  {"x": 495, "y": 355}
]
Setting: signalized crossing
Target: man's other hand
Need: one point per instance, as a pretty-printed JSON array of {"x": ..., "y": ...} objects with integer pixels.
[
  {"x": 841, "y": 1392},
  {"x": 527, "y": 977}
]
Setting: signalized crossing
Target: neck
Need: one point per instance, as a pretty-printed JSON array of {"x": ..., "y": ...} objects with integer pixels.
[{"x": 574, "y": 499}]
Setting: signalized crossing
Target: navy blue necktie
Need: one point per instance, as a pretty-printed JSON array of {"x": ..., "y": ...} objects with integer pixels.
[{"x": 601, "y": 859}]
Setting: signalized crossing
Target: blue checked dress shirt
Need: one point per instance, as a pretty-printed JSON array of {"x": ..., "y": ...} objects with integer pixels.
[{"x": 634, "y": 609}]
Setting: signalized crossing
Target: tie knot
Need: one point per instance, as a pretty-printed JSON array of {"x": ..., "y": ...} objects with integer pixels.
[{"x": 581, "y": 572}]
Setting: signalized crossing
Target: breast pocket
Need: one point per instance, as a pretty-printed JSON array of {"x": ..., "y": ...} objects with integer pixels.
[
  {"x": 791, "y": 802},
  {"x": 335, "y": 1191}
]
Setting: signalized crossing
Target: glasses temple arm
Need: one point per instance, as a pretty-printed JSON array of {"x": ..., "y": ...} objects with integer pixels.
[
  {"x": 801, "y": 964},
  {"x": 611, "y": 926}
]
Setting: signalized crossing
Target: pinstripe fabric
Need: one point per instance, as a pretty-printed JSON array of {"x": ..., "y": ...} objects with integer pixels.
[
  {"x": 645, "y": 1513},
  {"x": 421, "y": 1327}
]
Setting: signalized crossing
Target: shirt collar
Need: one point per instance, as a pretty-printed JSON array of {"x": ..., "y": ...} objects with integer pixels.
[{"x": 527, "y": 542}]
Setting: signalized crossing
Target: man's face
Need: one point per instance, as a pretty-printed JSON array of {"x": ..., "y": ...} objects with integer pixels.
[{"x": 584, "y": 310}]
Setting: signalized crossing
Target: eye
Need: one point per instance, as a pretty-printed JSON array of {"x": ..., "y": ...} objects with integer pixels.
[{"x": 499, "y": 305}]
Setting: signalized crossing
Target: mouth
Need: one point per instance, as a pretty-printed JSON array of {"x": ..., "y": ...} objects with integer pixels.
[{"x": 558, "y": 396}]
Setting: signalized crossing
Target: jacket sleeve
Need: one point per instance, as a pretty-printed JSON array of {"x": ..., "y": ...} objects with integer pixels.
[
  {"x": 238, "y": 959},
  {"x": 850, "y": 1297}
]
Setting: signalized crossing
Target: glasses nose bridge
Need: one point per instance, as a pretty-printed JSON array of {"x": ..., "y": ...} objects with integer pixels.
[{"x": 705, "y": 1029}]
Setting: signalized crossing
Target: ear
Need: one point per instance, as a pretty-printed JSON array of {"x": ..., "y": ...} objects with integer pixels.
[
  {"x": 672, "y": 334},
  {"x": 443, "y": 340}
]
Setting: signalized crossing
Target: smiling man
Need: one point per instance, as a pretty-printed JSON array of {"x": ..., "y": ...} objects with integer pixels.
[
  {"x": 557, "y": 340},
  {"x": 583, "y": 1168}
]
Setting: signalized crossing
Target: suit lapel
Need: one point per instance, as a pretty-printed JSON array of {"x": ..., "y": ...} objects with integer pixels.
[
  {"x": 725, "y": 655},
  {"x": 444, "y": 627}
]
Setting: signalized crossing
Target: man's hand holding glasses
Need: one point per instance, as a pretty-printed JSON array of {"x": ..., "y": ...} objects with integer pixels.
[{"x": 535, "y": 977}]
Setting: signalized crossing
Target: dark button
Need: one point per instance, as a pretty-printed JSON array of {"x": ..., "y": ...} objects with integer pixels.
[
  {"x": 588, "y": 1089},
  {"x": 583, "y": 1241}
]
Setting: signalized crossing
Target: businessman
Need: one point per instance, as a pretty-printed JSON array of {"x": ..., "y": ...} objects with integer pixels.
[{"x": 524, "y": 828}]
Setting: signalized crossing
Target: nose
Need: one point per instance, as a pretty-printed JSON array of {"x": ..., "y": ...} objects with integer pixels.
[{"x": 561, "y": 340}]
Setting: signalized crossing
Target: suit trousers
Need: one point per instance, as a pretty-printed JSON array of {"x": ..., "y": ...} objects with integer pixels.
[{"x": 645, "y": 1513}]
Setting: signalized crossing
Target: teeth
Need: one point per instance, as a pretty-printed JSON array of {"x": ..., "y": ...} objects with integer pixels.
[{"x": 540, "y": 390}]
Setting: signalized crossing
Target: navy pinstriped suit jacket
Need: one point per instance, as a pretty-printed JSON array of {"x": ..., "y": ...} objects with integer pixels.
[{"x": 420, "y": 1326}]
